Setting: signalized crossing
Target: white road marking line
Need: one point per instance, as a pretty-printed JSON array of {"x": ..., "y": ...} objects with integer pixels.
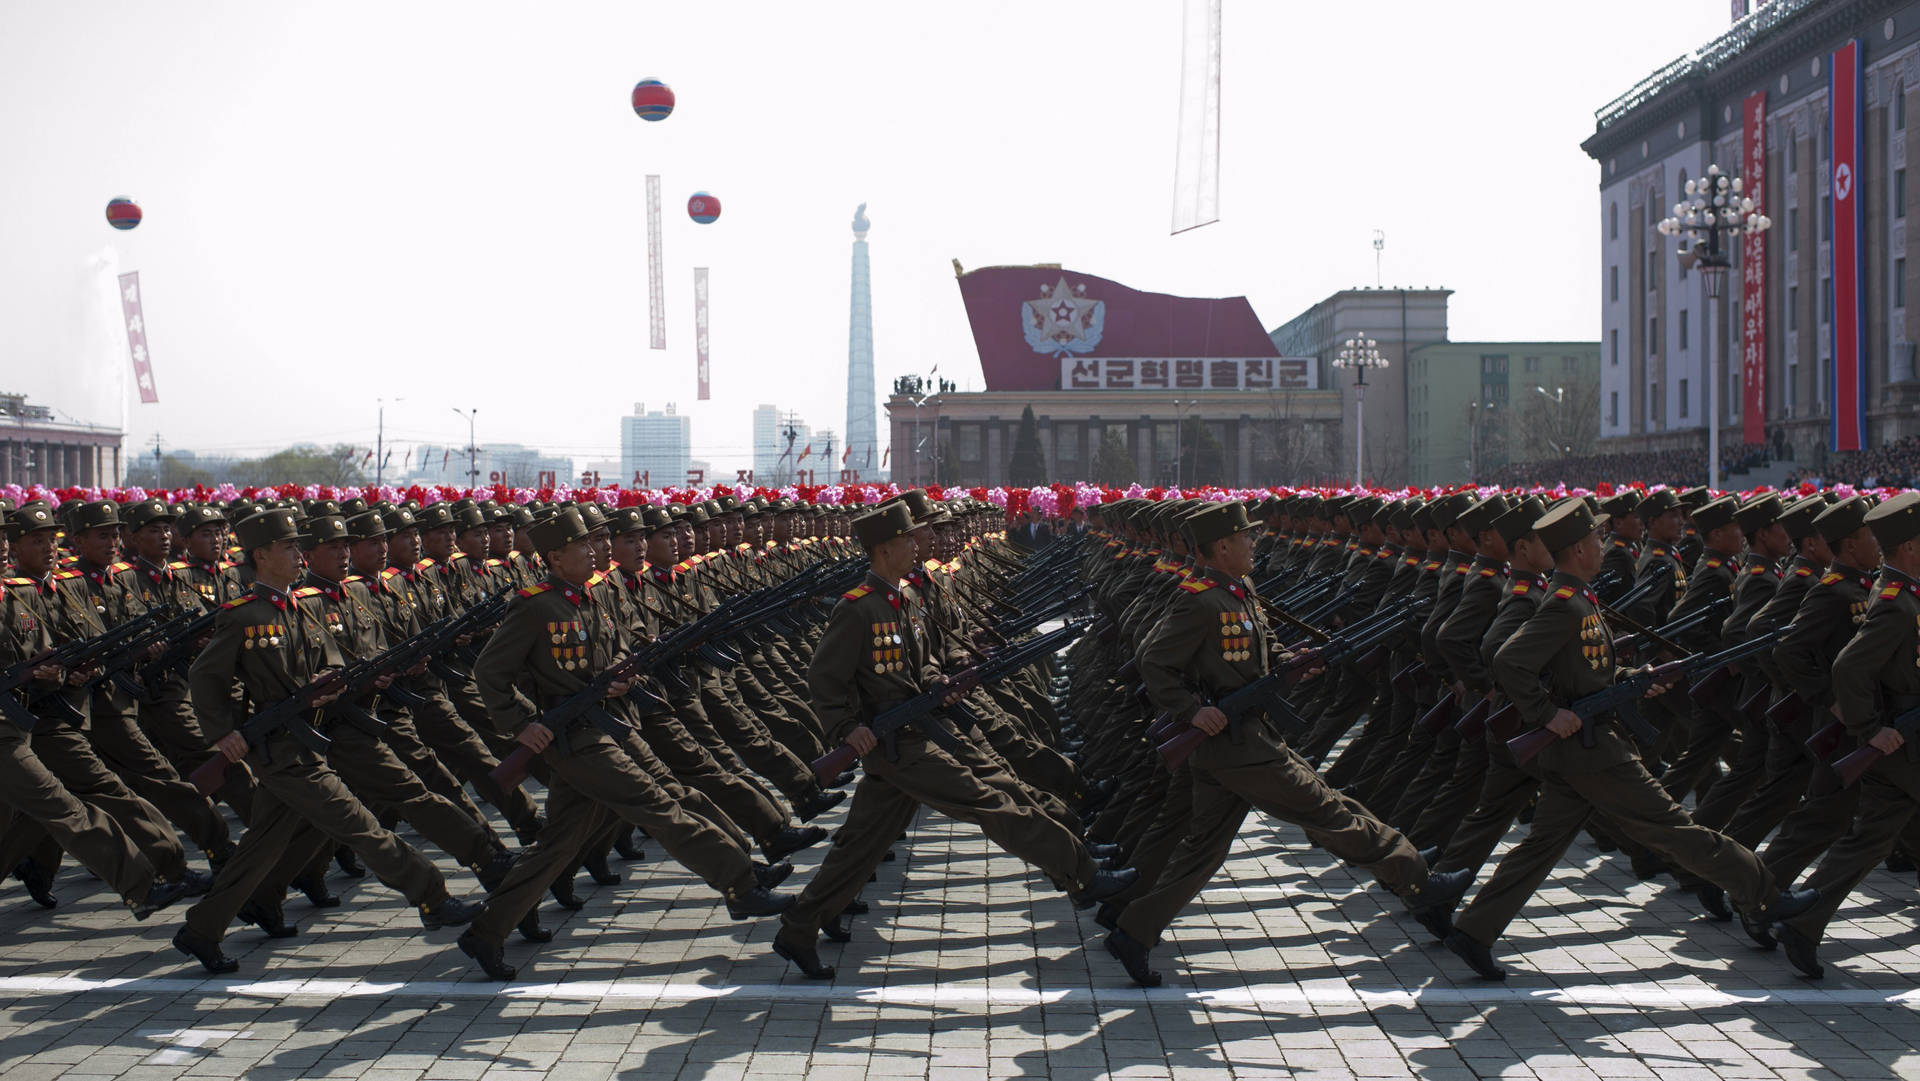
[
  {"x": 185, "y": 1043},
  {"x": 1318, "y": 993}
]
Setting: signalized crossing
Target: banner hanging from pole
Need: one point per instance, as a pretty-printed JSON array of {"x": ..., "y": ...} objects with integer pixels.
[
  {"x": 137, "y": 336},
  {"x": 1847, "y": 103},
  {"x": 1196, "y": 163},
  {"x": 700, "y": 331},
  {"x": 656, "y": 275},
  {"x": 1753, "y": 278}
]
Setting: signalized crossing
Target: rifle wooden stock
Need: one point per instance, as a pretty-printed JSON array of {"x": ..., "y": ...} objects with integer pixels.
[
  {"x": 1504, "y": 723},
  {"x": 1754, "y": 709},
  {"x": 1177, "y": 750},
  {"x": 828, "y": 767},
  {"x": 1827, "y": 740},
  {"x": 1527, "y": 745},
  {"x": 1474, "y": 721},
  {"x": 211, "y": 774},
  {"x": 1443, "y": 713},
  {"x": 1787, "y": 713},
  {"x": 1163, "y": 726},
  {"x": 1855, "y": 766},
  {"x": 513, "y": 769},
  {"x": 1707, "y": 688},
  {"x": 1403, "y": 680}
]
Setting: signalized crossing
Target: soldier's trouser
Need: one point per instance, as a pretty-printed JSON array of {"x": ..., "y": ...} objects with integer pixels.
[
  {"x": 591, "y": 779},
  {"x": 756, "y": 748},
  {"x": 68, "y": 754},
  {"x": 1636, "y": 808},
  {"x": 769, "y": 708},
  {"x": 454, "y": 742},
  {"x": 127, "y": 752},
  {"x": 1706, "y": 740},
  {"x": 745, "y": 803},
  {"x": 174, "y": 729},
  {"x": 1812, "y": 827},
  {"x": 1149, "y": 857},
  {"x": 1353, "y": 758},
  {"x": 1428, "y": 776},
  {"x": 959, "y": 784},
  {"x": 1749, "y": 767},
  {"x": 31, "y": 793},
  {"x": 294, "y": 802},
  {"x": 402, "y": 737},
  {"x": 1261, "y": 772},
  {"x": 1505, "y": 791},
  {"x": 1889, "y": 800},
  {"x": 1455, "y": 799},
  {"x": 1035, "y": 763},
  {"x": 1789, "y": 770},
  {"x": 691, "y": 800},
  {"x": 377, "y": 777},
  {"x": 693, "y": 717}
]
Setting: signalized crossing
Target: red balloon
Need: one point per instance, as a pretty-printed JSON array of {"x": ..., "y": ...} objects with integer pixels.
[{"x": 703, "y": 208}]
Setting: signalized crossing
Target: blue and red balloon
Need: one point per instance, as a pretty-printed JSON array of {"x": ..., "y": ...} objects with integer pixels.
[
  {"x": 703, "y": 208},
  {"x": 123, "y": 213},
  {"x": 652, "y": 99}
]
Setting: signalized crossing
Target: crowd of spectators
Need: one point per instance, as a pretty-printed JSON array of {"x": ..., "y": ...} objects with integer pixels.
[
  {"x": 1896, "y": 465},
  {"x": 1680, "y": 468}
]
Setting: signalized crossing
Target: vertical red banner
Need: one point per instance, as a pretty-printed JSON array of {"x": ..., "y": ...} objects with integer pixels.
[
  {"x": 700, "y": 330},
  {"x": 1846, "y": 101},
  {"x": 1753, "y": 278},
  {"x": 137, "y": 336}
]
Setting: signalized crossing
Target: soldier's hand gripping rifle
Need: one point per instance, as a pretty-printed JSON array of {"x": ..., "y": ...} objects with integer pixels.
[
  {"x": 180, "y": 651},
  {"x": 1267, "y": 694},
  {"x": 475, "y": 621},
  {"x": 294, "y": 713},
  {"x": 920, "y": 710},
  {"x": 1619, "y": 698},
  {"x": 1855, "y": 765},
  {"x": 128, "y": 667},
  {"x": 85, "y": 655}
]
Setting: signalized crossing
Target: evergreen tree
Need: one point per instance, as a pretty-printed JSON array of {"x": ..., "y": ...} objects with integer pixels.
[
  {"x": 1114, "y": 467},
  {"x": 1028, "y": 466}
]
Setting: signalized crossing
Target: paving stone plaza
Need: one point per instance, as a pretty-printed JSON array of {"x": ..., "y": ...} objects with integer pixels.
[{"x": 1287, "y": 966}]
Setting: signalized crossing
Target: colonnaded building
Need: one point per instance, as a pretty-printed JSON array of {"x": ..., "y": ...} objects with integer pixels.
[{"x": 1811, "y": 339}]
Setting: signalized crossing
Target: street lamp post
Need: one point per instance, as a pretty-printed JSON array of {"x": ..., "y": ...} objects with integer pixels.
[
  {"x": 1360, "y": 354},
  {"x": 1715, "y": 209},
  {"x": 380, "y": 442},
  {"x": 1559, "y": 399},
  {"x": 1179, "y": 421},
  {"x": 473, "y": 449}
]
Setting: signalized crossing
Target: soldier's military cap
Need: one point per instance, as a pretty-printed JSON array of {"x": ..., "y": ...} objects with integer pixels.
[
  {"x": 1364, "y": 510},
  {"x": 322, "y": 528},
  {"x": 1401, "y": 514},
  {"x": 352, "y": 506},
  {"x": 592, "y": 516},
  {"x": 1713, "y": 515},
  {"x": 262, "y": 529},
  {"x": 94, "y": 515},
  {"x": 398, "y": 518},
  {"x": 1656, "y": 503},
  {"x": 1481, "y": 516},
  {"x": 1335, "y": 505},
  {"x": 1759, "y": 512},
  {"x": 139, "y": 514},
  {"x": 468, "y": 517},
  {"x": 557, "y": 530},
  {"x": 653, "y": 518},
  {"x": 1567, "y": 524},
  {"x": 697, "y": 514},
  {"x": 198, "y": 515},
  {"x": 1842, "y": 520},
  {"x": 624, "y": 520},
  {"x": 1696, "y": 496},
  {"x": 1446, "y": 510},
  {"x": 1519, "y": 520},
  {"x": 316, "y": 508},
  {"x": 1217, "y": 520},
  {"x": 367, "y": 525},
  {"x": 1798, "y": 517},
  {"x": 1620, "y": 504},
  {"x": 1897, "y": 520},
  {"x": 30, "y": 518},
  {"x": 434, "y": 516},
  {"x": 882, "y": 524}
]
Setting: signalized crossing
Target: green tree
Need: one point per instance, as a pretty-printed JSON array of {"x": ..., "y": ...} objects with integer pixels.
[
  {"x": 1203, "y": 461},
  {"x": 1028, "y": 466},
  {"x": 1114, "y": 467}
]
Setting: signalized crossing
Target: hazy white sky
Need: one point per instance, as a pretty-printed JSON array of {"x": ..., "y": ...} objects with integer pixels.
[{"x": 445, "y": 202}]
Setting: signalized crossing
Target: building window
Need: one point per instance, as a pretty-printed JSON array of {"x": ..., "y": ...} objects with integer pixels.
[
  {"x": 1166, "y": 441},
  {"x": 1793, "y": 307},
  {"x": 1653, "y": 336},
  {"x": 1613, "y": 282},
  {"x": 1826, "y": 301},
  {"x": 1899, "y": 283},
  {"x": 1066, "y": 443},
  {"x": 966, "y": 442},
  {"x": 1683, "y": 397},
  {"x": 1792, "y": 393},
  {"x": 1653, "y": 402},
  {"x": 1567, "y": 364},
  {"x": 1613, "y": 221},
  {"x": 1899, "y": 108},
  {"x": 1793, "y": 229},
  {"x": 1683, "y": 328},
  {"x": 1826, "y": 217},
  {"x": 1899, "y": 193},
  {"x": 1653, "y": 269},
  {"x": 1826, "y": 383},
  {"x": 1532, "y": 364},
  {"x": 1614, "y": 345},
  {"x": 1613, "y": 408}
]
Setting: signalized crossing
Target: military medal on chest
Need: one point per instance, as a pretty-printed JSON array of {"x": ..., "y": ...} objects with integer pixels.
[
  {"x": 1594, "y": 645},
  {"x": 887, "y": 647},
  {"x": 1236, "y": 635}
]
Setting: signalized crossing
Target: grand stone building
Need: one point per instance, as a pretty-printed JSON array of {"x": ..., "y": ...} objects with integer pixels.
[
  {"x": 36, "y": 448},
  {"x": 1763, "y": 95}
]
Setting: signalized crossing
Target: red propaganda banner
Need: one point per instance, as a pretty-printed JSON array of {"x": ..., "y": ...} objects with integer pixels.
[
  {"x": 1849, "y": 252},
  {"x": 137, "y": 336},
  {"x": 700, "y": 329},
  {"x": 1753, "y": 278}
]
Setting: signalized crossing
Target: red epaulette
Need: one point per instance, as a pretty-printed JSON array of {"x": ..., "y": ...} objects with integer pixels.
[
  {"x": 17, "y": 581},
  {"x": 857, "y": 592},
  {"x": 1197, "y": 585},
  {"x": 1487, "y": 572},
  {"x": 62, "y": 576},
  {"x": 496, "y": 562},
  {"x": 179, "y": 565},
  {"x": 1757, "y": 568},
  {"x": 1521, "y": 589},
  {"x": 1564, "y": 592},
  {"x": 1713, "y": 563},
  {"x": 425, "y": 564},
  {"x": 118, "y": 567},
  {"x": 1889, "y": 591},
  {"x": 535, "y": 590},
  {"x": 390, "y": 572},
  {"x": 306, "y": 591},
  {"x": 598, "y": 578},
  {"x": 1803, "y": 572},
  {"x": 1830, "y": 577},
  {"x": 238, "y": 601}
]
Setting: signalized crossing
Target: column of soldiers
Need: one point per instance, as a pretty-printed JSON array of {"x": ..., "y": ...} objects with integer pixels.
[{"x": 1405, "y": 677}]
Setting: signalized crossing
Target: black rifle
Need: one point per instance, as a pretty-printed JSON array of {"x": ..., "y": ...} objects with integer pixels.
[
  {"x": 1855, "y": 766},
  {"x": 1619, "y": 698},
  {"x": 920, "y": 710},
  {"x": 85, "y": 654},
  {"x": 293, "y": 713}
]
